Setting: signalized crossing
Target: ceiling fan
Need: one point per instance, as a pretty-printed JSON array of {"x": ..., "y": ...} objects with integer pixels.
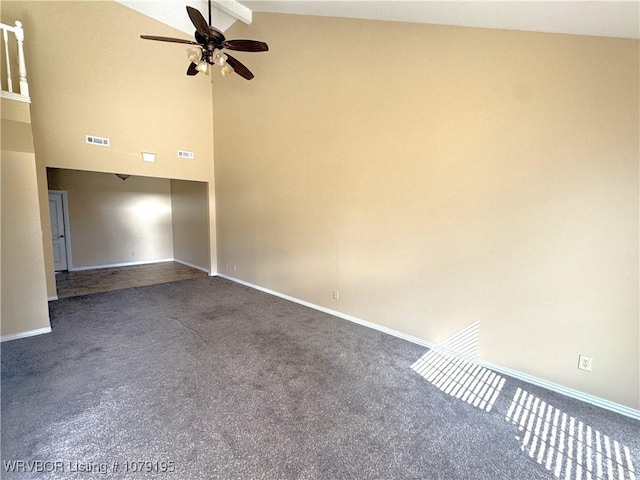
[{"x": 211, "y": 42}]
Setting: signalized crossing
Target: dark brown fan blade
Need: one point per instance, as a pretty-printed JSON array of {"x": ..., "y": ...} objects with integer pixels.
[
  {"x": 192, "y": 70},
  {"x": 246, "y": 45},
  {"x": 239, "y": 68},
  {"x": 199, "y": 22},
  {"x": 168, "y": 39}
]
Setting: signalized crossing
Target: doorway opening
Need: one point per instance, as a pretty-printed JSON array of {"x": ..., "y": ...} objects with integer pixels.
[
  {"x": 60, "y": 232},
  {"x": 127, "y": 232}
]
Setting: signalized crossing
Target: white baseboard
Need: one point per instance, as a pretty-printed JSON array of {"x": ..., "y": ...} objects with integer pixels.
[
  {"x": 569, "y": 392},
  {"x": 192, "y": 265},
  {"x": 52, "y": 299},
  {"x": 28, "y": 333},
  {"x": 126, "y": 264}
]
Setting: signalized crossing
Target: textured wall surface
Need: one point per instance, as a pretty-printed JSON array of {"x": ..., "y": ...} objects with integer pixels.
[
  {"x": 190, "y": 220},
  {"x": 24, "y": 290},
  {"x": 440, "y": 176},
  {"x": 114, "y": 221}
]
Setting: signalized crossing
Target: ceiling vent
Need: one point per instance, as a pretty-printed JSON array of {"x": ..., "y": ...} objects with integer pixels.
[{"x": 93, "y": 140}]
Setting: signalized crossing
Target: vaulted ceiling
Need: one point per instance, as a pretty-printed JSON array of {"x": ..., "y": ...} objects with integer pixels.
[{"x": 599, "y": 18}]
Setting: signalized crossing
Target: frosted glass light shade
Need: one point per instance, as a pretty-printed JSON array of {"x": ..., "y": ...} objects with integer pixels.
[
  {"x": 194, "y": 55},
  {"x": 226, "y": 70},
  {"x": 203, "y": 67},
  {"x": 220, "y": 59}
]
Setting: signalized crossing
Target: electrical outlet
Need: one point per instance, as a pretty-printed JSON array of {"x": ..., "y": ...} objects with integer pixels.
[
  {"x": 585, "y": 363},
  {"x": 235, "y": 267},
  {"x": 336, "y": 295}
]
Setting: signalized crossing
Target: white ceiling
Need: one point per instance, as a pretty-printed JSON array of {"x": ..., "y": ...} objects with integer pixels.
[
  {"x": 600, "y": 18},
  {"x": 605, "y": 18}
]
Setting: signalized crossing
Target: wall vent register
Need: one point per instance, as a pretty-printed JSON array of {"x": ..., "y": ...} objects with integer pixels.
[
  {"x": 186, "y": 154},
  {"x": 93, "y": 140}
]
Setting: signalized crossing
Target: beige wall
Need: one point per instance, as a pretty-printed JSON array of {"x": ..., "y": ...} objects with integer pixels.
[
  {"x": 439, "y": 176},
  {"x": 114, "y": 221},
  {"x": 90, "y": 73},
  {"x": 190, "y": 221},
  {"x": 23, "y": 286}
]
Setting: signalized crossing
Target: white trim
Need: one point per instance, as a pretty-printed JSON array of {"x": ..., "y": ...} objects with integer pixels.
[
  {"x": 15, "y": 96},
  {"x": 192, "y": 265},
  {"x": 569, "y": 392},
  {"x": 125, "y": 264},
  {"x": 28, "y": 333},
  {"x": 52, "y": 299}
]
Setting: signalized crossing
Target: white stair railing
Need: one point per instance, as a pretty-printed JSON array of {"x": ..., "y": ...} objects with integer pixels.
[{"x": 18, "y": 32}]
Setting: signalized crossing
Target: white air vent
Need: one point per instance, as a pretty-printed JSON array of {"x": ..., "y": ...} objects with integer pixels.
[
  {"x": 186, "y": 154},
  {"x": 93, "y": 140}
]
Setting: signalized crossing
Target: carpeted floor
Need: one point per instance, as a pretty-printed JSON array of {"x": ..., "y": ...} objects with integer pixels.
[{"x": 207, "y": 379}]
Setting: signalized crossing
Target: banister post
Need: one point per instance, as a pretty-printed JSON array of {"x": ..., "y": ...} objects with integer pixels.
[{"x": 22, "y": 66}]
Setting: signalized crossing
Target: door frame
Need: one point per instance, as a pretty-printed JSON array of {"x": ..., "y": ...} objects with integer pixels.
[{"x": 67, "y": 229}]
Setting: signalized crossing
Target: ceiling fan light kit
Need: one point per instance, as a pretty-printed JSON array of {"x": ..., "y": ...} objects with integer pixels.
[{"x": 211, "y": 42}]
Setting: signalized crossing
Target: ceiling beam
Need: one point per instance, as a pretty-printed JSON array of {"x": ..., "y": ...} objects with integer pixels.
[{"x": 235, "y": 9}]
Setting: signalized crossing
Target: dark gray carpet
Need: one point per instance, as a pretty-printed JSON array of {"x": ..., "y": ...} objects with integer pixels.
[{"x": 221, "y": 381}]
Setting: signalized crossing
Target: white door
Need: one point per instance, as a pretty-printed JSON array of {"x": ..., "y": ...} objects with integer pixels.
[{"x": 56, "y": 211}]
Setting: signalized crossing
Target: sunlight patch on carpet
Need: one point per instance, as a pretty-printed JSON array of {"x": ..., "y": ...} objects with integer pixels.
[
  {"x": 460, "y": 378},
  {"x": 451, "y": 369},
  {"x": 566, "y": 446}
]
